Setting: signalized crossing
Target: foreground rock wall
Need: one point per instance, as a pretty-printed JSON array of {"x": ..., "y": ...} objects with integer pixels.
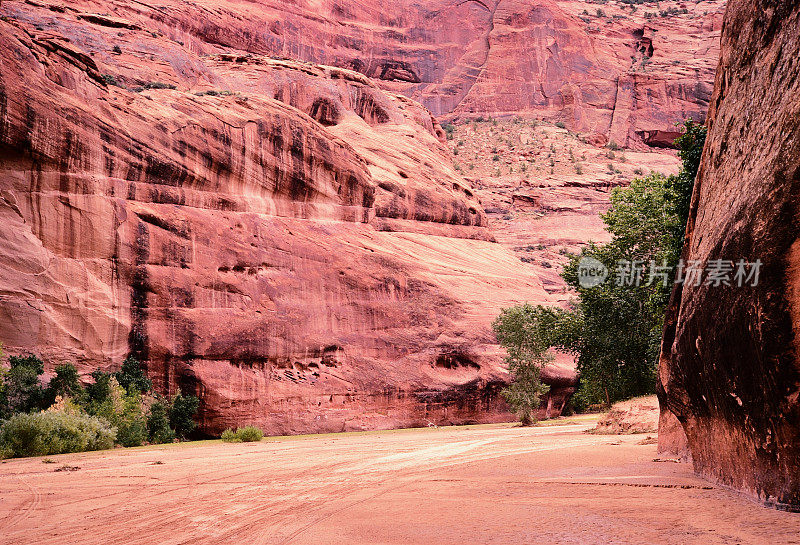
[
  {"x": 729, "y": 369},
  {"x": 285, "y": 240},
  {"x": 620, "y": 71}
]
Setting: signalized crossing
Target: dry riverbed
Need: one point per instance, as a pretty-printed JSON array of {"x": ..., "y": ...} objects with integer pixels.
[{"x": 485, "y": 484}]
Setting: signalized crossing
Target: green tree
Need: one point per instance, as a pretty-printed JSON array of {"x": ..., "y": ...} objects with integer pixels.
[
  {"x": 131, "y": 422},
  {"x": 98, "y": 394},
  {"x": 131, "y": 377},
  {"x": 23, "y": 391},
  {"x": 690, "y": 150},
  {"x": 614, "y": 328},
  {"x": 158, "y": 423},
  {"x": 65, "y": 383},
  {"x": 523, "y": 332},
  {"x": 181, "y": 414},
  {"x": 5, "y": 410}
]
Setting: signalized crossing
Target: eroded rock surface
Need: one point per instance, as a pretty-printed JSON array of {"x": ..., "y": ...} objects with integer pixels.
[
  {"x": 729, "y": 367},
  {"x": 286, "y": 240},
  {"x": 613, "y": 69}
]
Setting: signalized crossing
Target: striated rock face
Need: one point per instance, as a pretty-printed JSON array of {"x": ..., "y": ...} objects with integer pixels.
[
  {"x": 607, "y": 69},
  {"x": 285, "y": 240},
  {"x": 729, "y": 367}
]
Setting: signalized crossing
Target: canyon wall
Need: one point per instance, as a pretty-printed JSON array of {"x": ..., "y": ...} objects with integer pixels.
[
  {"x": 286, "y": 240},
  {"x": 729, "y": 368},
  {"x": 612, "y": 69}
]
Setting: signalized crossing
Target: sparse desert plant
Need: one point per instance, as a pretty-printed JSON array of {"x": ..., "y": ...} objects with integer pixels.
[
  {"x": 560, "y": 125},
  {"x": 110, "y": 79},
  {"x": 158, "y": 85},
  {"x": 449, "y": 129}
]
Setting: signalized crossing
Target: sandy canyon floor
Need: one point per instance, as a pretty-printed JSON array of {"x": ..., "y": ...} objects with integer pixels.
[{"x": 487, "y": 484}]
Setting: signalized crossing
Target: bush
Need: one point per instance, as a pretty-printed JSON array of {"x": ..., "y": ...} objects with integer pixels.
[
  {"x": 561, "y": 125},
  {"x": 246, "y": 435},
  {"x": 449, "y": 129},
  {"x": 230, "y": 436},
  {"x": 109, "y": 79},
  {"x": 159, "y": 85},
  {"x": 250, "y": 433},
  {"x": 54, "y": 432}
]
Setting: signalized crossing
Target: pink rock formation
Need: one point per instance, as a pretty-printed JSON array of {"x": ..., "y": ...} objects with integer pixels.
[
  {"x": 284, "y": 239},
  {"x": 729, "y": 367},
  {"x": 609, "y": 69}
]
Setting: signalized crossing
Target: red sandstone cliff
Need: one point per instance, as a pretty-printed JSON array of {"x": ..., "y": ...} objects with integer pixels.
[
  {"x": 621, "y": 71},
  {"x": 284, "y": 239},
  {"x": 729, "y": 366}
]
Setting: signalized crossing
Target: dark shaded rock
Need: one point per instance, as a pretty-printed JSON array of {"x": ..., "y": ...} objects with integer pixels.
[{"x": 729, "y": 366}]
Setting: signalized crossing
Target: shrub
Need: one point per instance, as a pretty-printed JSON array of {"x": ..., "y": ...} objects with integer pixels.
[
  {"x": 109, "y": 79},
  {"x": 159, "y": 85},
  {"x": 560, "y": 125},
  {"x": 230, "y": 436},
  {"x": 54, "y": 432},
  {"x": 247, "y": 434},
  {"x": 449, "y": 129},
  {"x": 250, "y": 434}
]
